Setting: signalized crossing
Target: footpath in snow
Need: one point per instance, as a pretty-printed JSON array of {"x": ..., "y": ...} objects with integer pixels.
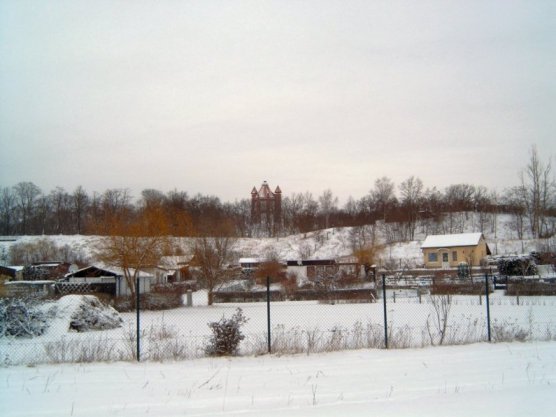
[{"x": 507, "y": 379}]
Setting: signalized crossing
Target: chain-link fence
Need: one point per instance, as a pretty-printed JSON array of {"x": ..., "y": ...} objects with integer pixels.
[{"x": 388, "y": 313}]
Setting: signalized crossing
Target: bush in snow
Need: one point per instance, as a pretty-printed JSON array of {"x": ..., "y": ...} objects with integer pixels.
[
  {"x": 226, "y": 335},
  {"x": 517, "y": 266},
  {"x": 32, "y": 317},
  {"x": 90, "y": 314},
  {"x": 21, "y": 318}
]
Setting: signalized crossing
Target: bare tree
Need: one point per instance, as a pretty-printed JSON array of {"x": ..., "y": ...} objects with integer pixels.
[
  {"x": 514, "y": 202},
  {"x": 411, "y": 191},
  {"x": 178, "y": 214},
  {"x": 291, "y": 209},
  {"x": 7, "y": 208},
  {"x": 482, "y": 205},
  {"x": 113, "y": 205},
  {"x": 95, "y": 214},
  {"x": 361, "y": 237},
  {"x": 495, "y": 200},
  {"x": 537, "y": 191},
  {"x": 240, "y": 213},
  {"x": 458, "y": 201},
  {"x": 307, "y": 219},
  {"x": 383, "y": 196},
  {"x": 432, "y": 211},
  {"x": 60, "y": 205},
  {"x": 134, "y": 244},
  {"x": 328, "y": 203},
  {"x": 26, "y": 195},
  {"x": 152, "y": 198},
  {"x": 351, "y": 210},
  {"x": 116, "y": 202},
  {"x": 441, "y": 306},
  {"x": 212, "y": 255},
  {"x": 79, "y": 202}
]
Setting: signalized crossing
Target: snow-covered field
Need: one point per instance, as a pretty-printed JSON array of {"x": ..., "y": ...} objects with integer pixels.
[
  {"x": 480, "y": 379},
  {"x": 306, "y": 326},
  {"x": 506, "y": 379}
]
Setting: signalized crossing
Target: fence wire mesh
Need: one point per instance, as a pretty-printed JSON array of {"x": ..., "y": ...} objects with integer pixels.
[{"x": 398, "y": 314}]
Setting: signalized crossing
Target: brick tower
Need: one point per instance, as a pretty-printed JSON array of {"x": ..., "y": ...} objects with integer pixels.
[{"x": 266, "y": 208}]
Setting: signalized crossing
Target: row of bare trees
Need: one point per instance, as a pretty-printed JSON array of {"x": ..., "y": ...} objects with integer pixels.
[{"x": 25, "y": 209}]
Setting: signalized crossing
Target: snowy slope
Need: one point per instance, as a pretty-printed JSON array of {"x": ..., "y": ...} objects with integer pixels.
[{"x": 335, "y": 242}]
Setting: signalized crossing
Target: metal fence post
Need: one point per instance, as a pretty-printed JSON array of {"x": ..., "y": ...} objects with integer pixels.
[
  {"x": 268, "y": 313},
  {"x": 487, "y": 306},
  {"x": 384, "y": 304},
  {"x": 137, "y": 309}
]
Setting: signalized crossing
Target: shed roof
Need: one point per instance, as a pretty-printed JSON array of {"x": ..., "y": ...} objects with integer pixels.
[
  {"x": 312, "y": 262},
  {"x": 95, "y": 271},
  {"x": 92, "y": 271},
  {"x": 449, "y": 241},
  {"x": 249, "y": 261}
]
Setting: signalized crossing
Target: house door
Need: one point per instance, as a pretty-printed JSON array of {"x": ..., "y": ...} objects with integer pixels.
[{"x": 445, "y": 260}]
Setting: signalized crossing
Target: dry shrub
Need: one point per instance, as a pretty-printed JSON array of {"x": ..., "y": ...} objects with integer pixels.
[
  {"x": 84, "y": 351},
  {"x": 226, "y": 335}
]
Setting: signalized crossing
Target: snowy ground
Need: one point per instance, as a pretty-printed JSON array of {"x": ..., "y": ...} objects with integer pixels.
[
  {"x": 509, "y": 379},
  {"x": 182, "y": 333}
]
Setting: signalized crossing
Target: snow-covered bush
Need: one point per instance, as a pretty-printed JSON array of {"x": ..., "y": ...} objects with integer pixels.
[
  {"x": 517, "y": 266},
  {"x": 90, "y": 314},
  {"x": 226, "y": 335},
  {"x": 33, "y": 317},
  {"x": 21, "y": 318}
]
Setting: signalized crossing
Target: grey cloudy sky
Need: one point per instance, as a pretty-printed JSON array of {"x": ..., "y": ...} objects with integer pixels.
[{"x": 217, "y": 96}]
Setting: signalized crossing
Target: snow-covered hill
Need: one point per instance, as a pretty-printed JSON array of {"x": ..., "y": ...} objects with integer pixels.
[{"x": 339, "y": 242}]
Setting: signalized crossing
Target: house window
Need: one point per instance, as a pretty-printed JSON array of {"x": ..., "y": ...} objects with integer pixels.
[
  {"x": 455, "y": 256},
  {"x": 445, "y": 257},
  {"x": 433, "y": 257},
  {"x": 311, "y": 272}
]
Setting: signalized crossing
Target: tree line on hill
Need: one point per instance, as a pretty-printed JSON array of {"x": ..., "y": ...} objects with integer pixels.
[{"x": 26, "y": 210}]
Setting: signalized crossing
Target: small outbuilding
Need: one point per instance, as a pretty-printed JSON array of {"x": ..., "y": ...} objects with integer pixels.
[
  {"x": 104, "y": 280},
  {"x": 11, "y": 273},
  {"x": 449, "y": 251},
  {"x": 312, "y": 269}
]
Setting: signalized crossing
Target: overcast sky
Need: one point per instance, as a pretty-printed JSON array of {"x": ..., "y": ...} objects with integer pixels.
[{"x": 217, "y": 96}]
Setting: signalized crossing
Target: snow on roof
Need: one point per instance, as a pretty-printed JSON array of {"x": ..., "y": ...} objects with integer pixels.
[
  {"x": 248, "y": 260},
  {"x": 70, "y": 274},
  {"x": 16, "y": 268},
  {"x": 29, "y": 283},
  {"x": 114, "y": 270},
  {"x": 447, "y": 241},
  {"x": 175, "y": 262}
]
